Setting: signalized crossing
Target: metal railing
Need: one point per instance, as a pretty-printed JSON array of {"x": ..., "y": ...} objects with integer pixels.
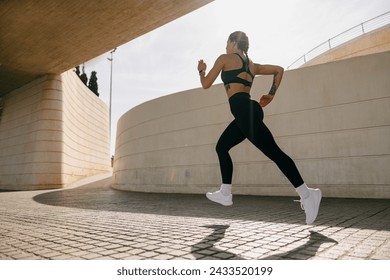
[{"x": 352, "y": 33}]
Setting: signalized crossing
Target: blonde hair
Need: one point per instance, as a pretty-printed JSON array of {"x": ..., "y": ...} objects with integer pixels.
[{"x": 242, "y": 41}]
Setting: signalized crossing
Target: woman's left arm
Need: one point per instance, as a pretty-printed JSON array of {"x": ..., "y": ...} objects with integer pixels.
[{"x": 208, "y": 80}]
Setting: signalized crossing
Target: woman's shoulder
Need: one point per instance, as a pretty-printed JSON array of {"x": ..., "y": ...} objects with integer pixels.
[
  {"x": 222, "y": 60},
  {"x": 223, "y": 56},
  {"x": 227, "y": 57},
  {"x": 226, "y": 60}
]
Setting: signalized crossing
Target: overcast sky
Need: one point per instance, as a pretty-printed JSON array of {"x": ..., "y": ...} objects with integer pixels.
[{"x": 164, "y": 61}]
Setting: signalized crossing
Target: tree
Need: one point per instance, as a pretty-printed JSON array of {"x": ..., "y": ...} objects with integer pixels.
[
  {"x": 78, "y": 71},
  {"x": 83, "y": 77},
  {"x": 92, "y": 85}
]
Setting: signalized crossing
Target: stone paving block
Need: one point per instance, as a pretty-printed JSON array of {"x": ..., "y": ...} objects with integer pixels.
[
  {"x": 204, "y": 245},
  {"x": 112, "y": 246},
  {"x": 177, "y": 253},
  {"x": 64, "y": 257},
  {"x": 91, "y": 256},
  {"x": 224, "y": 255},
  {"x": 204, "y": 252},
  {"x": 50, "y": 255},
  {"x": 140, "y": 245},
  {"x": 178, "y": 246},
  {"x": 123, "y": 249},
  {"x": 167, "y": 257},
  {"x": 209, "y": 258},
  {"x": 103, "y": 243},
  {"x": 251, "y": 255},
  {"x": 163, "y": 250},
  {"x": 261, "y": 251},
  {"x": 148, "y": 255},
  {"x": 151, "y": 247},
  {"x": 79, "y": 253},
  {"x": 108, "y": 252},
  {"x": 131, "y": 257},
  {"x": 104, "y": 258},
  {"x": 34, "y": 257}
]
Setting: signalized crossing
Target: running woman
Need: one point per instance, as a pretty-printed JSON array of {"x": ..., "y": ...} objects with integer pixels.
[{"x": 237, "y": 73}]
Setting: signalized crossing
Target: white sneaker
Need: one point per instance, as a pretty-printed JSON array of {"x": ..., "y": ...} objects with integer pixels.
[
  {"x": 219, "y": 197},
  {"x": 311, "y": 205}
]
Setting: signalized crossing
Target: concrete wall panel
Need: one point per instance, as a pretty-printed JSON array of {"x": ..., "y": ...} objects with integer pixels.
[
  {"x": 53, "y": 132},
  {"x": 30, "y": 136}
]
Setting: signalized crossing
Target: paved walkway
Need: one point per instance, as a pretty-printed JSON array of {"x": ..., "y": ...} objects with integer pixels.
[{"x": 94, "y": 221}]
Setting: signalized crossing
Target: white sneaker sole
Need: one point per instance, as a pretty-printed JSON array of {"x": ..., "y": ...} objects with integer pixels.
[
  {"x": 216, "y": 200},
  {"x": 317, "y": 207}
]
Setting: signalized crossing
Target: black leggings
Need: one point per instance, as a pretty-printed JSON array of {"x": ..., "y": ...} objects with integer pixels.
[{"x": 248, "y": 123}]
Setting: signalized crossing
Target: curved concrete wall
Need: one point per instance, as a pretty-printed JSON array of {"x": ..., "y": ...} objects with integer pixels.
[
  {"x": 53, "y": 132},
  {"x": 332, "y": 119},
  {"x": 86, "y": 139}
]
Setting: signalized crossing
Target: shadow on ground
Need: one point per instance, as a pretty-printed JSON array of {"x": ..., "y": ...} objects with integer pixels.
[
  {"x": 206, "y": 249},
  {"x": 360, "y": 213},
  {"x": 305, "y": 251}
]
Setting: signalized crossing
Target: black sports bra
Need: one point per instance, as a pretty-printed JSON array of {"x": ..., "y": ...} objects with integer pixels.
[{"x": 231, "y": 76}]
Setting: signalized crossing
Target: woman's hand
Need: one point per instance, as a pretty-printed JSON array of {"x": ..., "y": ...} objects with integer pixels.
[
  {"x": 265, "y": 100},
  {"x": 201, "y": 66}
]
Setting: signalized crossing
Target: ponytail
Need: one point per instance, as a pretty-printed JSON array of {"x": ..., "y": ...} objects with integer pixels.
[
  {"x": 243, "y": 44},
  {"x": 247, "y": 61}
]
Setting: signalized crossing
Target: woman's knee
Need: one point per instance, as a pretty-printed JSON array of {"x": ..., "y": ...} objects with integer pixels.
[{"x": 219, "y": 149}]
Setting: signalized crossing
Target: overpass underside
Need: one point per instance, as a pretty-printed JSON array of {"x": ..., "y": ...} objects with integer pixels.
[{"x": 40, "y": 37}]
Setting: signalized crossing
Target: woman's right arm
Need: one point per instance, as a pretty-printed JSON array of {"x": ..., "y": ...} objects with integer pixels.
[
  {"x": 277, "y": 72},
  {"x": 208, "y": 80}
]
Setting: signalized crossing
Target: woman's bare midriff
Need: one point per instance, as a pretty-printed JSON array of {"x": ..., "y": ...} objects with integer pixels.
[{"x": 232, "y": 89}]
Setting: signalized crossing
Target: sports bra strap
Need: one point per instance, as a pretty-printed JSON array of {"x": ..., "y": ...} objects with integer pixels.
[{"x": 231, "y": 76}]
